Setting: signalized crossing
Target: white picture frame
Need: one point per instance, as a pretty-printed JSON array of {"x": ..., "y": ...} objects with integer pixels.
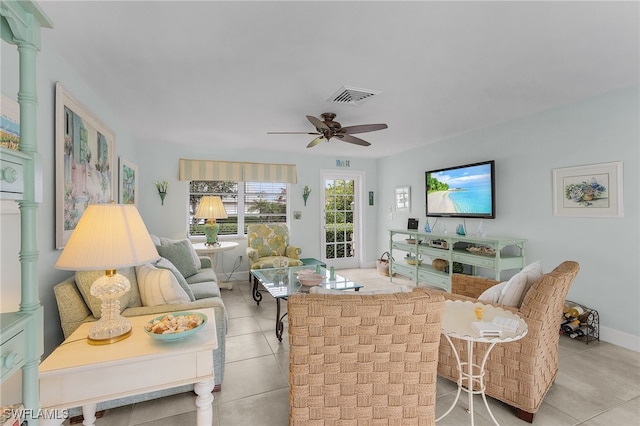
[
  {"x": 593, "y": 190},
  {"x": 128, "y": 178},
  {"x": 402, "y": 197},
  {"x": 86, "y": 170}
]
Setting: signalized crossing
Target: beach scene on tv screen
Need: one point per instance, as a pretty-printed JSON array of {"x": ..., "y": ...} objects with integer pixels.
[{"x": 465, "y": 190}]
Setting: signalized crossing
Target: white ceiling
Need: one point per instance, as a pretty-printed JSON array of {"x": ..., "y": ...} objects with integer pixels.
[{"x": 223, "y": 74}]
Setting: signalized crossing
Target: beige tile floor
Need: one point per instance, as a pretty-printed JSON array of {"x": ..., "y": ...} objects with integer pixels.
[{"x": 598, "y": 384}]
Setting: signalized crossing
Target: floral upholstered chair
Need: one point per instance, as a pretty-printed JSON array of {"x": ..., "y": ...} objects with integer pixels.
[{"x": 268, "y": 246}]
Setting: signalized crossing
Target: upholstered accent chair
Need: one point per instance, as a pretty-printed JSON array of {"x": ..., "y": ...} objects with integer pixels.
[
  {"x": 364, "y": 359},
  {"x": 518, "y": 373},
  {"x": 268, "y": 246}
]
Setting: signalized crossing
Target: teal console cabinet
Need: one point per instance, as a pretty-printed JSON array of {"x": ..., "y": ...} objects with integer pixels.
[
  {"x": 413, "y": 253},
  {"x": 21, "y": 332}
]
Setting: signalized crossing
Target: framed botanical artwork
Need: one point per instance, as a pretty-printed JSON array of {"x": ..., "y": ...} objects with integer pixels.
[
  {"x": 403, "y": 197},
  {"x": 128, "y": 182},
  {"x": 9, "y": 123},
  {"x": 85, "y": 163},
  {"x": 593, "y": 190}
]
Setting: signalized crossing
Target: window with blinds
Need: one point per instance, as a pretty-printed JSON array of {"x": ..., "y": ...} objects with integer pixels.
[{"x": 245, "y": 203}]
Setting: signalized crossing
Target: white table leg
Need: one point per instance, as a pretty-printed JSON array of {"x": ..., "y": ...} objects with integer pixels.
[
  {"x": 89, "y": 414},
  {"x": 204, "y": 402},
  {"x": 470, "y": 378}
]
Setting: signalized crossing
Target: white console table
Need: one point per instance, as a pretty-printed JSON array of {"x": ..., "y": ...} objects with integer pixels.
[
  {"x": 211, "y": 251},
  {"x": 77, "y": 374}
]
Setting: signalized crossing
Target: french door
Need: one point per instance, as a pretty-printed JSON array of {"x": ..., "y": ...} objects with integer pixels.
[{"x": 341, "y": 227}]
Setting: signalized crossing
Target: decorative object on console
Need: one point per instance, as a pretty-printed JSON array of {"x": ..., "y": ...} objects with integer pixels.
[
  {"x": 162, "y": 189},
  {"x": 460, "y": 230},
  {"x": 108, "y": 236},
  {"x": 439, "y": 264},
  {"x": 412, "y": 223},
  {"x": 305, "y": 194},
  {"x": 211, "y": 208}
]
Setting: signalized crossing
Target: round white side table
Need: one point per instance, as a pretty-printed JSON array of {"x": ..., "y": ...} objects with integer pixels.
[
  {"x": 211, "y": 251},
  {"x": 456, "y": 323}
]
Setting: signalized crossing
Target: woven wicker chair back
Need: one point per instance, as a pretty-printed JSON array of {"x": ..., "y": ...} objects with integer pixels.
[
  {"x": 518, "y": 373},
  {"x": 364, "y": 359}
]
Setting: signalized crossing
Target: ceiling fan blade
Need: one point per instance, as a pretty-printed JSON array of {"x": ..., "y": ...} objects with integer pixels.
[
  {"x": 363, "y": 128},
  {"x": 317, "y": 123},
  {"x": 352, "y": 139},
  {"x": 315, "y": 142},
  {"x": 293, "y": 133}
]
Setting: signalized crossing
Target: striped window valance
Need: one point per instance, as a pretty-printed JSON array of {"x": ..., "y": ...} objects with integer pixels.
[{"x": 235, "y": 170}]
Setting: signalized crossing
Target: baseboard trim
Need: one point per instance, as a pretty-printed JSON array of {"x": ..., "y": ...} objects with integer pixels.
[{"x": 620, "y": 338}]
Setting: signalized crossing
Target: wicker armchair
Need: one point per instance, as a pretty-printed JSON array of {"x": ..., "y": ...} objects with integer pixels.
[
  {"x": 364, "y": 359},
  {"x": 518, "y": 373}
]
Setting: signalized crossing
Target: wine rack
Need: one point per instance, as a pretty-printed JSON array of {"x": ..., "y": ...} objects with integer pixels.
[{"x": 589, "y": 322}]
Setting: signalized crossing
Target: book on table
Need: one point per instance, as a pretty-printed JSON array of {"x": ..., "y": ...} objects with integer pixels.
[{"x": 486, "y": 329}]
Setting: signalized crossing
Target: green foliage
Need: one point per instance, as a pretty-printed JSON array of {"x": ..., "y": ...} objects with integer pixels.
[{"x": 434, "y": 184}]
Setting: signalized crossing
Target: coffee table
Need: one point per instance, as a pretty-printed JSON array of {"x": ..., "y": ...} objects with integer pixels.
[
  {"x": 283, "y": 282},
  {"x": 77, "y": 374}
]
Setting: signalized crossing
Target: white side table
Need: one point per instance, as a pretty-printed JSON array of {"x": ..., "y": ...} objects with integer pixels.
[
  {"x": 211, "y": 251},
  {"x": 456, "y": 323},
  {"x": 78, "y": 374}
]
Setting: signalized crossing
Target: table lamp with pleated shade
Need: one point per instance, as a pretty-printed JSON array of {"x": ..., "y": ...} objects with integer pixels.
[
  {"x": 211, "y": 208},
  {"x": 108, "y": 236}
]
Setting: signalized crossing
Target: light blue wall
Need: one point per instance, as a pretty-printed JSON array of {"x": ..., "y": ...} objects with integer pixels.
[
  {"x": 601, "y": 129},
  {"x": 526, "y": 150},
  {"x": 158, "y": 162}
]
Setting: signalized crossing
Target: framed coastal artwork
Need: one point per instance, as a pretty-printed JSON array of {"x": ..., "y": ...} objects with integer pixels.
[
  {"x": 85, "y": 163},
  {"x": 593, "y": 190},
  {"x": 128, "y": 182},
  {"x": 9, "y": 123}
]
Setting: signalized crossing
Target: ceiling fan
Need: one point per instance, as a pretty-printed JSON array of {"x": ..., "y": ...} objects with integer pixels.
[{"x": 327, "y": 129}]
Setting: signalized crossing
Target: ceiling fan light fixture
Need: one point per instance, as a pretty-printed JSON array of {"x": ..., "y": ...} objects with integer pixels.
[{"x": 352, "y": 95}]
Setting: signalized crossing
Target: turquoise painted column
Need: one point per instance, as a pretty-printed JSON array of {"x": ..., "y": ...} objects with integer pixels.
[
  {"x": 29, "y": 302},
  {"x": 24, "y": 20}
]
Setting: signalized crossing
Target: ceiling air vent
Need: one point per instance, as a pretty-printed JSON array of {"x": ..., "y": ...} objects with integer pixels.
[{"x": 352, "y": 95}]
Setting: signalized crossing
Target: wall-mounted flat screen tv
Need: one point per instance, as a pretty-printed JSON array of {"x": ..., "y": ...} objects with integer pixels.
[{"x": 462, "y": 191}]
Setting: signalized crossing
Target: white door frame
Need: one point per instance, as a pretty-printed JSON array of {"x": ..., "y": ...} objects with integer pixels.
[{"x": 358, "y": 216}]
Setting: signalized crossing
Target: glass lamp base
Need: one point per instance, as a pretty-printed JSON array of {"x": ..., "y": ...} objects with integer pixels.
[{"x": 111, "y": 327}]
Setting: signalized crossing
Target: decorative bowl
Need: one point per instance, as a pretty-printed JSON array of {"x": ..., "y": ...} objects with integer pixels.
[
  {"x": 175, "y": 326},
  {"x": 305, "y": 272},
  {"x": 411, "y": 240},
  {"x": 310, "y": 279}
]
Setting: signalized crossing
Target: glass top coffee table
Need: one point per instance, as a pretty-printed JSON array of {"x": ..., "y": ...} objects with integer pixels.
[{"x": 283, "y": 282}]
